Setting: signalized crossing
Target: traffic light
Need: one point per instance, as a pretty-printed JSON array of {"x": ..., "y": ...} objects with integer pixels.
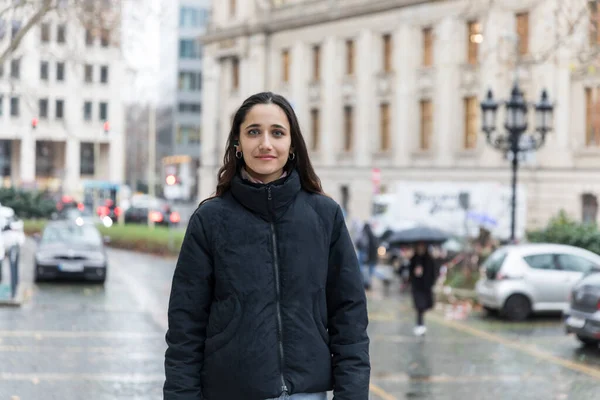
[
  {"x": 106, "y": 127},
  {"x": 34, "y": 123},
  {"x": 171, "y": 180}
]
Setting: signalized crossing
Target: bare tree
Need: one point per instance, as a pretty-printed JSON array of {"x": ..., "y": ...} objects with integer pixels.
[{"x": 97, "y": 16}]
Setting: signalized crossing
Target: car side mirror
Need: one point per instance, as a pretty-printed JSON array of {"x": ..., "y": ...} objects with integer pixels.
[{"x": 106, "y": 239}]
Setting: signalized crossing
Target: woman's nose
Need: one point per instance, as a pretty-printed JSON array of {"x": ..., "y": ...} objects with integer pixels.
[{"x": 265, "y": 142}]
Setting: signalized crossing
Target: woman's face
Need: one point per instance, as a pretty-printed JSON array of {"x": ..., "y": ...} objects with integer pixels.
[
  {"x": 421, "y": 248},
  {"x": 265, "y": 142}
]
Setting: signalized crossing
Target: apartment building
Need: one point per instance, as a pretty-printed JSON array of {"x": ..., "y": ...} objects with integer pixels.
[{"x": 60, "y": 106}]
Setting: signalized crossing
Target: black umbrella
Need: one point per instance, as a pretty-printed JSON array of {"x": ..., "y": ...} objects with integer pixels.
[{"x": 418, "y": 234}]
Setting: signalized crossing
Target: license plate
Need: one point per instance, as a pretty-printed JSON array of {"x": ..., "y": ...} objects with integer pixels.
[
  {"x": 71, "y": 267},
  {"x": 576, "y": 322}
]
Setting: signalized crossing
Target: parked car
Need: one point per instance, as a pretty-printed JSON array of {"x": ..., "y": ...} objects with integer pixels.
[
  {"x": 69, "y": 249},
  {"x": 109, "y": 209},
  {"x": 157, "y": 210},
  {"x": 582, "y": 318},
  {"x": 520, "y": 279},
  {"x": 85, "y": 216},
  {"x": 67, "y": 203}
]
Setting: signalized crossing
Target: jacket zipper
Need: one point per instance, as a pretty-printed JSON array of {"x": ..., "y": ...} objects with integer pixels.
[{"x": 278, "y": 292}]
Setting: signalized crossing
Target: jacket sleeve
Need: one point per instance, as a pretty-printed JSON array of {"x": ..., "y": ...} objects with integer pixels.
[
  {"x": 348, "y": 319},
  {"x": 189, "y": 307}
]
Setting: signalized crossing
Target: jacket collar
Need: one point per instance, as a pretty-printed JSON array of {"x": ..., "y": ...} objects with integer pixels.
[{"x": 270, "y": 200}]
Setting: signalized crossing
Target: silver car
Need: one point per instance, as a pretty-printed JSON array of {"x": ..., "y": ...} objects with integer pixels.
[
  {"x": 70, "y": 249},
  {"x": 583, "y": 315},
  {"x": 521, "y": 279}
]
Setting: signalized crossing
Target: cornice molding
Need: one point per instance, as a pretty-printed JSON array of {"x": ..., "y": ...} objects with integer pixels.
[{"x": 307, "y": 14}]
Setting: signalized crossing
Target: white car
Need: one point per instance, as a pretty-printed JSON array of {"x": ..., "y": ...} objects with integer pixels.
[{"x": 518, "y": 280}]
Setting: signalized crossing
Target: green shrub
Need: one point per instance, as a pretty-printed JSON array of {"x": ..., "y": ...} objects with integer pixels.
[
  {"x": 460, "y": 277},
  {"x": 563, "y": 230},
  {"x": 27, "y": 204}
]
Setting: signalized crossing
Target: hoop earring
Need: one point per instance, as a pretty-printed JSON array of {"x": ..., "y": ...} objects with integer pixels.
[
  {"x": 292, "y": 156},
  {"x": 238, "y": 155}
]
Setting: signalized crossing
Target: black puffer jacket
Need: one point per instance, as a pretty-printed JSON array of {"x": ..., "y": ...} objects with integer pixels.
[{"x": 267, "y": 296}]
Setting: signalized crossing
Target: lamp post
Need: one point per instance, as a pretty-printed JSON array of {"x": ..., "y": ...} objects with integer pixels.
[{"x": 515, "y": 139}]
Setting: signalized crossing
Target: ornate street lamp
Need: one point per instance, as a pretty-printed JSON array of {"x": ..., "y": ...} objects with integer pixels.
[{"x": 515, "y": 140}]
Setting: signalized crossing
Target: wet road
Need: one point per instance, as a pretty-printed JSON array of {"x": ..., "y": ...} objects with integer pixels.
[{"x": 79, "y": 341}]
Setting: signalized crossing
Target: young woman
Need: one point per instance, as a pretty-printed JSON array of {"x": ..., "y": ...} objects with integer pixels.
[
  {"x": 422, "y": 279},
  {"x": 267, "y": 299}
]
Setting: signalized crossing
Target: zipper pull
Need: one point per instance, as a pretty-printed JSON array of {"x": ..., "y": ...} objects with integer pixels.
[{"x": 269, "y": 193}]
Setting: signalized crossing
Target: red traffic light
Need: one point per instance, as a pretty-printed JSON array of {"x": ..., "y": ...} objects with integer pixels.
[
  {"x": 34, "y": 123},
  {"x": 171, "y": 180},
  {"x": 106, "y": 127}
]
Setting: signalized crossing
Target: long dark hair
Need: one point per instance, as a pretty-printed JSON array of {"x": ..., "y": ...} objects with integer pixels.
[{"x": 231, "y": 165}]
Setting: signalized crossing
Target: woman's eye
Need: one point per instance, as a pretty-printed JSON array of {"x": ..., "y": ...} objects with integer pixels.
[
  {"x": 253, "y": 132},
  {"x": 278, "y": 133}
]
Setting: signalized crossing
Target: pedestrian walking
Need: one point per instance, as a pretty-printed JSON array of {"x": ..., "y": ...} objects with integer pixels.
[
  {"x": 267, "y": 299},
  {"x": 422, "y": 279},
  {"x": 368, "y": 256}
]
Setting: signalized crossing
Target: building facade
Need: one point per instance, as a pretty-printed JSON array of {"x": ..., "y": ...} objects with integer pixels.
[
  {"x": 61, "y": 114},
  {"x": 165, "y": 49},
  {"x": 395, "y": 86},
  {"x": 193, "y": 18}
]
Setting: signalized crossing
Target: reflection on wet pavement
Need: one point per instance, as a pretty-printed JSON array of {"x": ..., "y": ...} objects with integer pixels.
[{"x": 78, "y": 341}]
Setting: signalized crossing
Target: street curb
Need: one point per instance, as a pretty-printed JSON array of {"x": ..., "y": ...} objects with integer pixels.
[{"x": 23, "y": 294}]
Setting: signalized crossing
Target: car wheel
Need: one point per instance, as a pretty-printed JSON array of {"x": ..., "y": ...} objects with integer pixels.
[
  {"x": 492, "y": 312},
  {"x": 588, "y": 341},
  {"x": 517, "y": 307}
]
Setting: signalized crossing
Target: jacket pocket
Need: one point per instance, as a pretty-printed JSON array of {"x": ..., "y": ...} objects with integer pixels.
[
  {"x": 320, "y": 314},
  {"x": 223, "y": 323}
]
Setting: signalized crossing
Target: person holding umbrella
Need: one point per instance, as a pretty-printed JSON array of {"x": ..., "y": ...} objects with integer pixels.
[{"x": 422, "y": 278}]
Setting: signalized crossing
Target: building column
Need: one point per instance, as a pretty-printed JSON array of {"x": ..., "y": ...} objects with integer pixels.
[
  {"x": 557, "y": 82},
  {"x": 211, "y": 124},
  {"x": 27, "y": 168},
  {"x": 491, "y": 77},
  {"x": 447, "y": 103},
  {"x": 366, "y": 126},
  {"x": 72, "y": 166},
  {"x": 254, "y": 75},
  {"x": 331, "y": 113},
  {"x": 299, "y": 84},
  {"x": 116, "y": 149},
  {"x": 405, "y": 115}
]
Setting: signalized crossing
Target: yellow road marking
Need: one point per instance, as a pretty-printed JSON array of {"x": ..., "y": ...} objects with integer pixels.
[
  {"x": 122, "y": 378},
  {"x": 379, "y": 392},
  {"x": 82, "y": 334},
  {"x": 403, "y": 378},
  {"x": 593, "y": 372}
]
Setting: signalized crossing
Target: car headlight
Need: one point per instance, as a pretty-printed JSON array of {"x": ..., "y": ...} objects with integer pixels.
[
  {"x": 44, "y": 257},
  {"x": 96, "y": 257}
]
